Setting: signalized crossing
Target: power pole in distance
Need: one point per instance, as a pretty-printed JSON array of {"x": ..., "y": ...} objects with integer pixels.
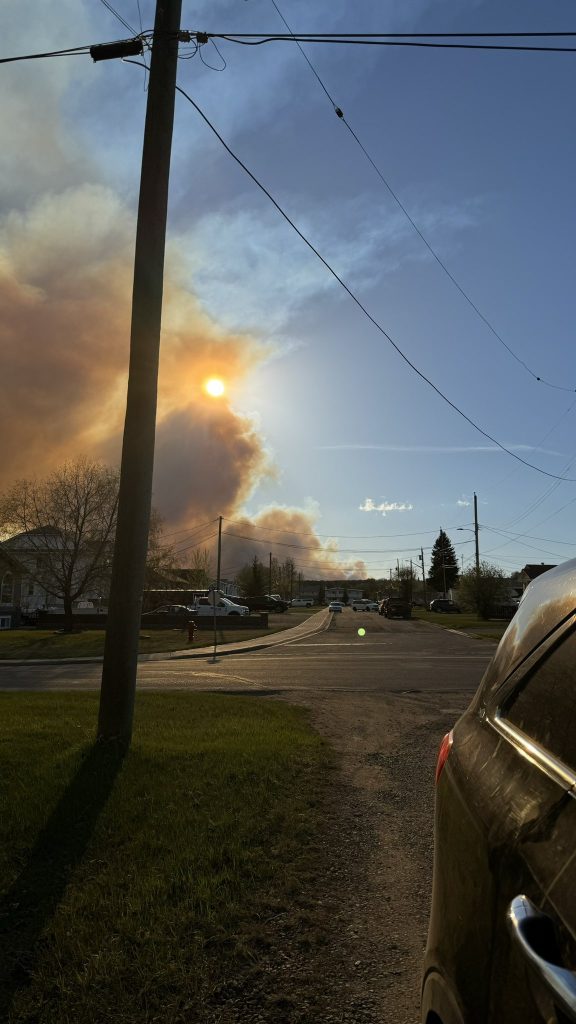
[
  {"x": 476, "y": 536},
  {"x": 131, "y": 545}
]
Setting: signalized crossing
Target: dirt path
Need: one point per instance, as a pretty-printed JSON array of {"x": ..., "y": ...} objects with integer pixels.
[{"x": 348, "y": 949}]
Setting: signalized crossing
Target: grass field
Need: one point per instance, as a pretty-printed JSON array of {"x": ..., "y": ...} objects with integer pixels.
[
  {"x": 130, "y": 888},
  {"x": 487, "y": 629},
  {"x": 50, "y": 643}
]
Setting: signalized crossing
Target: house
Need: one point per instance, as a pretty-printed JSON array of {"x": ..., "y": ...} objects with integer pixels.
[
  {"x": 531, "y": 572},
  {"x": 30, "y": 554},
  {"x": 14, "y": 587}
]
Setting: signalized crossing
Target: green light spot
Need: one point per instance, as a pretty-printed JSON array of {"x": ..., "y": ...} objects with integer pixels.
[{"x": 361, "y": 631}]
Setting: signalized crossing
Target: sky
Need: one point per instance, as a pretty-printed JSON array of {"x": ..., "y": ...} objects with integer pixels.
[{"x": 326, "y": 445}]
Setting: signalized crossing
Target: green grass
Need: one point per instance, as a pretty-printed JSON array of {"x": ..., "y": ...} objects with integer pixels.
[
  {"x": 488, "y": 629},
  {"x": 48, "y": 643},
  {"x": 130, "y": 888}
]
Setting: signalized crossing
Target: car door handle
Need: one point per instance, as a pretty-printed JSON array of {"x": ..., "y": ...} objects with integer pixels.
[{"x": 535, "y": 935}]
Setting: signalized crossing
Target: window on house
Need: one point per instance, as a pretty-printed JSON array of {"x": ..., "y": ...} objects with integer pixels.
[{"x": 7, "y": 588}]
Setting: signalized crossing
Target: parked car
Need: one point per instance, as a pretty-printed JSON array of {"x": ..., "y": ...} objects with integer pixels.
[
  {"x": 502, "y": 936},
  {"x": 224, "y": 606},
  {"x": 395, "y": 607},
  {"x": 171, "y": 609},
  {"x": 302, "y": 602},
  {"x": 443, "y": 604},
  {"x": 364, "y": 605},
  {"x": 335, "y": 606},
  {"x": 263, "y": 604}
]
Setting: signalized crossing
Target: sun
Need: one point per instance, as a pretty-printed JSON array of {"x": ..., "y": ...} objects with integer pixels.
[{"x": 214, "y": 387}]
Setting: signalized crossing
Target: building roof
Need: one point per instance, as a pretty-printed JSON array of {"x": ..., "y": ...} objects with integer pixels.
[{"x": 532, "y": 571}]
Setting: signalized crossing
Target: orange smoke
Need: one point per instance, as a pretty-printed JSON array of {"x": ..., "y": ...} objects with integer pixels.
[{"x": 65, "y": 293}]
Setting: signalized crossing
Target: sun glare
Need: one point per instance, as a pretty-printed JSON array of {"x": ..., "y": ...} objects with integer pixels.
[{"x": 214, "y": 387}]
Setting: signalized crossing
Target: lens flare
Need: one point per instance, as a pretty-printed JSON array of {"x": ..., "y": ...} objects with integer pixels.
[
  {"x": 214, "y": 387},
  {"x": 361, "y": 631}
]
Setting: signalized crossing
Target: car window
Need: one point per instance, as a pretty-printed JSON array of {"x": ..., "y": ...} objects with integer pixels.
[{"x": 544, "y": 706}]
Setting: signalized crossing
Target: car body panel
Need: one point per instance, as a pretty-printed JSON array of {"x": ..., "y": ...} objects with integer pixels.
[
  {"x": 445, "y": 605},
  {"x": 223, "y": 606},
  {"x": 505, "y": 825}
]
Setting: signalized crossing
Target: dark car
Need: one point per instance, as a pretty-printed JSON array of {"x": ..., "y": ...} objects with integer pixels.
[
  {"x": 395, "y": 607},
  {"x": 263, "y": 604},
  {"x": 170, "y": 609},
  {"x": 444, "y": 604},
  {"x": 502, "y": 936}
]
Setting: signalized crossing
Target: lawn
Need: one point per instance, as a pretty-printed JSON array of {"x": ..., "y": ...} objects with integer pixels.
[
  {"x": 131, "y": 888},
  {"x": 50, "y": 643},
  {"x": 486, "y": 629}
]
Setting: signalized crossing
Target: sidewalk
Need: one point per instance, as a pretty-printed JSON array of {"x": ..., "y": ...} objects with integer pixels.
[{"x": 314, "y": 624}]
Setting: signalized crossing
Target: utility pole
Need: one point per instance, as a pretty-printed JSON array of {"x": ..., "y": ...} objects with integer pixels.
[
  {"x": 424, "y": 577},
  {"x": 129, "y": 562},
  {"x": 219, "y": 557},
  {"x": 476, "y": 536},
  {"x": 270, "y": 575}
]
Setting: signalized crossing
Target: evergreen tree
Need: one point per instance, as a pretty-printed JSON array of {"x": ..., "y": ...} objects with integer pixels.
[{"x": 443, "y": 571}]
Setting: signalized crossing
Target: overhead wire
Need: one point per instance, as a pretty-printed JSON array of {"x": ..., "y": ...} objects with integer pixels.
[
  {"x": 340, "y": 114},
  {"x": 120, "y": 18},
  {"x": 367, "y": 39},
  {"x": 359, "y": 304}
]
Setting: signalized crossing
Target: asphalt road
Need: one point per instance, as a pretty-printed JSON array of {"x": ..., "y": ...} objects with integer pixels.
[{"x": 393, "y": 656}]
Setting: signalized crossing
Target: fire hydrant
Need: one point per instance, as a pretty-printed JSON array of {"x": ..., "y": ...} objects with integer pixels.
[{"x": 191, "y": 630}]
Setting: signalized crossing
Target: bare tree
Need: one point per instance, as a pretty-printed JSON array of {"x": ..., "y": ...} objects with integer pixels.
[
  {"x": 200, "y": 568},
  {"x": 63, "y": 527},
  {"x": 161, "y": 568}
]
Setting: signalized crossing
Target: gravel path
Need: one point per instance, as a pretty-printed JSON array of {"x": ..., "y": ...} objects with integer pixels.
[{"x": 348, "y": 947}]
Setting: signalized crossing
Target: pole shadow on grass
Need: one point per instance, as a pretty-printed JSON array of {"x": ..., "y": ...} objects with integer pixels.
[{"x": 33, "y": 899}]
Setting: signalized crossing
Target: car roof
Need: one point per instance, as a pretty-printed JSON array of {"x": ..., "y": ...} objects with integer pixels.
[{"x": 546, "y": 602}]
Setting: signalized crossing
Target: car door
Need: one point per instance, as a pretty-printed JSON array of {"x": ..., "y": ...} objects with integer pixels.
[{"x": 532, "y": 843}]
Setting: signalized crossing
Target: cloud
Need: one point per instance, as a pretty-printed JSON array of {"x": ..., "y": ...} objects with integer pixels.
[
  {"x": 463, "y": 503},
  {"x": 251, "y": 266},
  {"x": 481, "y": 449},
  {"x": 385, "y": 506}
]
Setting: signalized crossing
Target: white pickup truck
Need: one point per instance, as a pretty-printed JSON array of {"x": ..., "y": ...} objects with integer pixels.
[{"x": 222, "y": 606}]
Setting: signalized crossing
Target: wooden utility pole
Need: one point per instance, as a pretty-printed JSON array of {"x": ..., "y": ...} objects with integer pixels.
[
  {"x": 130, "y": 550},
  {"x": 270, "y": 574},
  {"x": 476, "y": 536},
  {"x": 219, "y": 556}
]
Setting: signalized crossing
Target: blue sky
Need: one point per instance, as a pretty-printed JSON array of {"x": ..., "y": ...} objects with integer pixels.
[{"x": 479, "y": 148}]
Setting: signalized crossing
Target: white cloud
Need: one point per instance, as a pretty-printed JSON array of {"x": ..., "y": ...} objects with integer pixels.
[
  {"x": 385, "y": 506},
  {"x": 463, "y": 502},
  {"x": 250, "y": 265},
  {"x": 434, "y": 449}
]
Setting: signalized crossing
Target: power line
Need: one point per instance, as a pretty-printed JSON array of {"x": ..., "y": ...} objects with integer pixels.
[
  {"x": 70, "y": 52},
  {"x": 347, "y": 551},
  {"x": 333, "y": 536},
  {"x": 358, "y": 303},
  {"x": 339, "y": 113},
  {"x": 406, "y": 35},
  {"x": 352, "y": 39},
  {"x": 120, "y": 18},
  {"x": 547, "y": 540}
]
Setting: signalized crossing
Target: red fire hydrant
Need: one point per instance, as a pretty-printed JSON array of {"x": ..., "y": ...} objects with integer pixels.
[{"x": 191, "y": 630}]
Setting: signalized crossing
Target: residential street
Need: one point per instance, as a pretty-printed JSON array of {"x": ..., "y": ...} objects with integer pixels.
[{"x": 349, "y": 950}]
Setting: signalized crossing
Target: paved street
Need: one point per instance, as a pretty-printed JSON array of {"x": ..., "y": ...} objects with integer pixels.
[{"x": 392, "y": 656}]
